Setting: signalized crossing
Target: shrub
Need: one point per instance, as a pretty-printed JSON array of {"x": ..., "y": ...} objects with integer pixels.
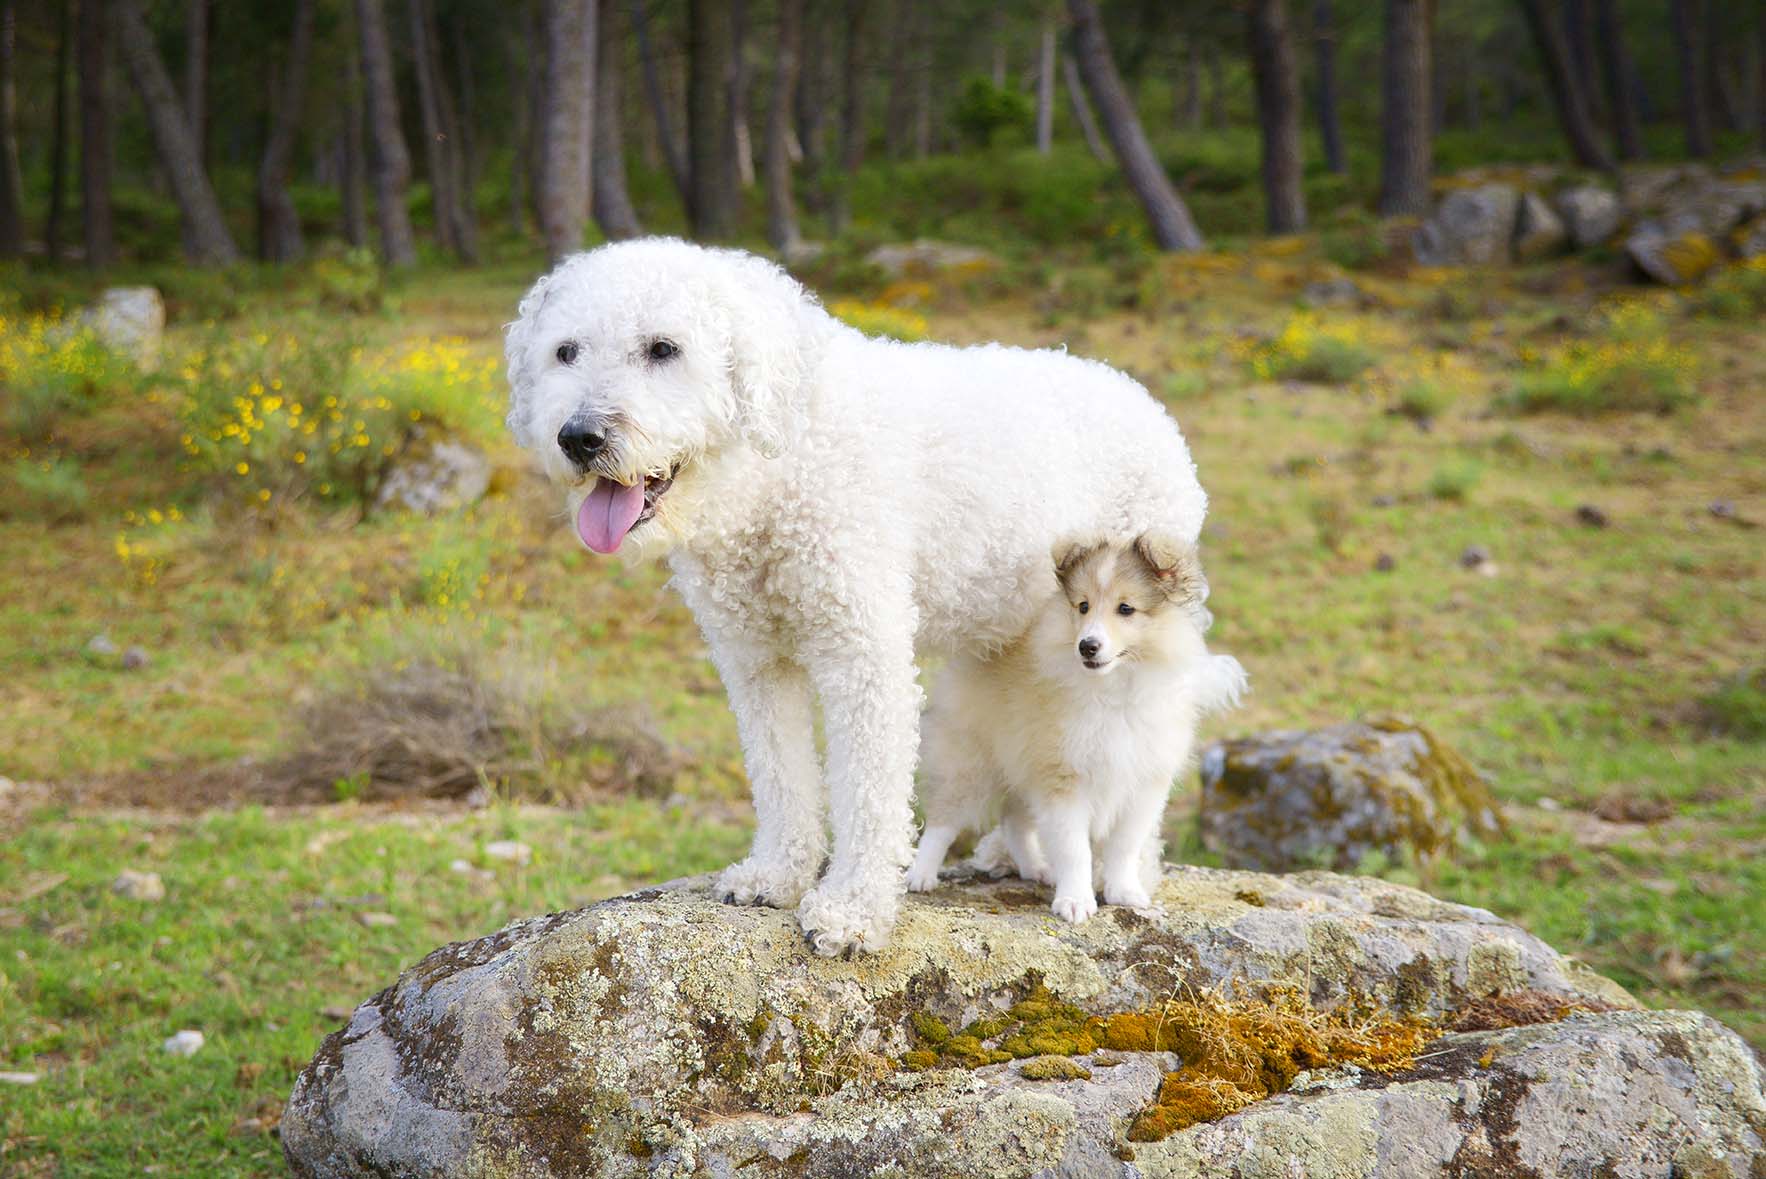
[
  {"x": 1309, "y": 349},
  {"x": 1354, "y": 240},
  {"x": 51, "y": 489},
  {"x": 1635, "y": 368},
  {"x": 1737, "y": 708},
  {"x": 350, "y": 281},
  {"x": 983, "y": 110},
  {"x": 1421, "y": 401},
  {"x": 1455, "y": 480},
  {"x": 51, "y": 369},
  {"x": 1736, "y": 293}
]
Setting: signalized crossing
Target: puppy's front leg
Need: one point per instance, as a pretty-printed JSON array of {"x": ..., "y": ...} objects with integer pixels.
[
  {"x": 1064, "y": 826},
  {"x": 776, "y": 720},
  {"x": 870, "y": 711}
]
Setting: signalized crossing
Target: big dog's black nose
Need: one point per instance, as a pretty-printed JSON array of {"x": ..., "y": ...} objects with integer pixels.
[
  {"x": 1088, "y": 648},
  {"x": 581, "y": 440}
]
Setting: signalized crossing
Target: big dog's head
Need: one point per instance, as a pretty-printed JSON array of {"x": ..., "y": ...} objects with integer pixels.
[{"x": 637, "y": 367}]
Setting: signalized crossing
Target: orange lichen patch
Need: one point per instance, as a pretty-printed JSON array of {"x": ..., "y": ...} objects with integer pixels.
[{"x": 1512, "y": 1009}]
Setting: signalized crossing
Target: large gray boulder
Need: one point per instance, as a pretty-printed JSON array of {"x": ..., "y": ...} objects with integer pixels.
[
  {"x": 1327, "y": 798},
  {"x": 1470, "y": 227},
  {"x": 434, "y": 474},
  {"x": 1591, "y": 214},
  {"x": 665, "y": 1034},
  {"x": 128, "y": 320}
]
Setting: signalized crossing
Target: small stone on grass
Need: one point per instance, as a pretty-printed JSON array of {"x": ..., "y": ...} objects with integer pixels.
[
  {"x": 139, "y": 886},
  {"x": 375, "y": 920},
  {"x": 20, "y": 1078},
  {"x": 1592, "y": 516},
  {"x": 509, "y": 850},
  {"x": 185, "y": 1043}
]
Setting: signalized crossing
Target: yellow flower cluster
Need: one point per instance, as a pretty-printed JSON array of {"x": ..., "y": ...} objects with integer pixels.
[
  {"x": 50, "y": 367},
  {"x": 1309, "y": 348},
  {"x": 880, "y": 319}
]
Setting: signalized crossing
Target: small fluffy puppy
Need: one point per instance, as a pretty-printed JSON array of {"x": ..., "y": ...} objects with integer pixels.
[{"x": 1069, "y": 737}]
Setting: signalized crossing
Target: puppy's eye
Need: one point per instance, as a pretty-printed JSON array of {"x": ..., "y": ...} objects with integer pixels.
[
  {"x": 1085, "y": 607},
  {"x": 567, "y": 352},
  {"x": 1124, "y": 609},
  {"x": 661, "y": 350}
]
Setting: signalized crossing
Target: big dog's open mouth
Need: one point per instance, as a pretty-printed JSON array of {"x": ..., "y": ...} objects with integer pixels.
[{"x": 613, "y": 509}]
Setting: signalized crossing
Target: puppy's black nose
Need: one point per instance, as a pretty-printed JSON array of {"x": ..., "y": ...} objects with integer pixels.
[
  {"x": 581, "y": 440},
  {"x": 1088, "y": 648}
]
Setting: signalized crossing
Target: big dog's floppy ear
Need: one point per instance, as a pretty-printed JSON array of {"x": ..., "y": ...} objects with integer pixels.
[
  {"x": 1175, "y": 568},
  {"x": 775, "y": 340}
]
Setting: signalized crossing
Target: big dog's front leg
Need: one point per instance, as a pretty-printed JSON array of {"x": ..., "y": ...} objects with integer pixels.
[{"x": 870, "y": 711}]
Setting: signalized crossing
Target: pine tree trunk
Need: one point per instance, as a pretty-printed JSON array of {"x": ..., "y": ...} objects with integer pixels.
[
  {"x": 811, "y": 100},
  {"x": 1324, "y": 36},
  {"x": 352, "y": 175},
  {"x": 612, "y": 203},
  {"x": 1695, "y": 114},
  {"x": 1082, "y": 112},
  {"x": 464, "y": 122},
  {"x": 781, "y": 210},
  {"x": 897, "y": 110},
  {"x": 711, "y": 209},
  {"x": 208, "y": 240},
  {"x": 1566, "y": 90},
  {"x": 741, "y": 142},
  {"x": 1719, "y": 99},
  {"x": 196, "y": 48},
  {"x": 1173, "y": 228},
  {"x": 1189, "y": 112},
  {"x": 279, "y": 237},
  {"x": 456, "y": 158},
  {"x": 1609, "y": 44},
  {"x": 438, "y": 147},
  {"x": 1579, "y": 45},
  {"x": 656, "y": 97},
  {"x": 1045, "y": 90},
  {"x": 392, "y": 163},
  {"x": 569, "y": 134},
  {"x": 1760, "y": 76},
  {"x": 1406, "y": 145},
  {"x": 58, "y": 134},
  {"x": 852, "y": 97},
  {"x": 1277, "y": 83},
  {"x": 96, "y": 221},
  {"x": 12, "y": 185}
]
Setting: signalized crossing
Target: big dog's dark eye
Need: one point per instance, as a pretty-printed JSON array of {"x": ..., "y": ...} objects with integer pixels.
[
  {"x": 567, "y": 352},
  {"x": 661, "y": 350}
]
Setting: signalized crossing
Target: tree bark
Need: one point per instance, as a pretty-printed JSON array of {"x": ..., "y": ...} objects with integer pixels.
[
  {"x": 711, "y": 207},
  {"x": 1045, "y": 90},
  {"x": 741, "y": 142},
  {"x": 852, "y": 97},
  {"x": 1720, "y": 101},
  {"x": 1695, "y": 113},
  {"x": 656, "y": 97},
  {"x": 1324, "y": 37},
  {"x": 1609, "y": 44},
  {"x": 781, "y": 210},
  {"x": 441, "y": 149},
  {"x": 196, "y": 49},
  {"x": 12, "y": 186},
  {"x": 569, "y": 124},
  {"x": 1082, "y": 112},
  {"x": 1173, "y": 228},
  {"x": 391, "y": 162},
  {"x": 58, "y": 134},
  {"x": 279, "y": 237},
  {"x": 904, "y": 64},
  {"x": 1760, "y": 76},
  {"x": 1406, "y": 144},
  {"x": 1278, "y": 113},
  {"x": 352, "y": 175},
  {"x": 612, "y": 203},
  {"x": 811, "y": 98},
  {"x": 464, "y": 122},
  {"x": 1566, "y": 89},
  {"x": 1578, "y": 27},
  {"x": 457, "y": 157},
  {"x": 96, "y": 221},
  {"x": 1189, "y": 103},
  {"x": 208, "y": 241}
]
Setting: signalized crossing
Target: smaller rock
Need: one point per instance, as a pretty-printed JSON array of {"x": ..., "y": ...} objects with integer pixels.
[
  {"x": 1331, "y": 292},
  {"x": 101, "y": 645},
  {"x": 1672, "y": 258},
  {"x": 509, "y": 851},
  {"x": 129, "y": 320},
  {"x": 924, "y": 257},
  {"x": 1592, "y": 516},
  {"x": 1471, "y": 227},
  {"x": 1474, "y": 556},
  {"x": 1723, "y": 509},
  {"x": 139, "y": 886},
  {"x": 375, "y": 920},
  {"x": 135, "y": 658},
  {"x": 185, "y": 1043},
  {"x": 434, "y": 476},
  {"x": 1385, "y": 563},
  {"x": 1383, "y": 501},
  {"x": 1749, "y": 240},
  {"x": 1591, "y": 214},
  {"x": 1539, "y": 232},
  {"x": 20, "y": 1078}
]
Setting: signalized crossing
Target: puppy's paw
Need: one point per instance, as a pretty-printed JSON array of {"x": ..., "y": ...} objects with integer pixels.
[
  {"x": 838, "y": 921},
  {"x": 922, "y": 879},
  {"x": 1130, "y": 894},
  {"x": 1075, "y": 908},
  {"x": 760, "y": 882}
]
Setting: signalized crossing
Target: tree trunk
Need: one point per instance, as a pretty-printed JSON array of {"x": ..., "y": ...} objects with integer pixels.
[
  {"x": 711, "y": 207},
  {"x": 205, "y": 230},
  {"x": 1324, "y": 36},
  {"x": 741, "y": 142},
  {"x": 1760, "y": 76},
  {"x": 352, "y": 174},
  {"x": 58, "y": 134},
  {"x": 1406, "y": 146},
  {"x": 1566, "y": 89},
  {"x": 1045, "y": 90},
  {"x": 438, "y": 145},
  {"x": 1189, "y": 103},
  {"x": 1173, "y": 228},
  {"x": 12, "y": 186},
  {"x": 656, "y": 97},
  {"x": 903, "y": 64},
  {"x": 1082, "y": 112},
  {"x": 852, "y": 97},
  {"x": 96, "y": 221},
  {"x": 465, "y": 121},
  {"x": 1719, "y": 99},
  {"x": 1695, "y": 114},
  {"x": 457, "y": 157},
  {"x": 811, "y": 98},
  {"x": 569, "y": 124},
  {"x": 279, "y": 238},
  {"x": 196, "y": 47},
  {"x": 1609, "y": 44},
  {"x": 1579, "y": 45},
  {"x": 391, "y": 162},
  {"x": 1278, "y": 113},
  {"x": 612, "y": 204},
  {"x": 781, "y": 211}
]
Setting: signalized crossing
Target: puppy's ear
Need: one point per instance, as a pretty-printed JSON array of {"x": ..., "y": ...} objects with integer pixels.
[
  {"x": 1068, "y": 555},
  {"x": 774, "y": 339},
  {"x": 1174, "y": 568}
]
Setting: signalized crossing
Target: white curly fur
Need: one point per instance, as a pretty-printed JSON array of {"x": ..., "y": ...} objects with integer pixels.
[{"x": 841, "y": 503}]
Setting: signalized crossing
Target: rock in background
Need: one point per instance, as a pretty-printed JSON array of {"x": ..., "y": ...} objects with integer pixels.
[
  {"x": 128, "y": 320},
  {"x": 1284, "y": 800},
  {"x": 435, "y": 475},
  {"x": 665, "y": 1034}
]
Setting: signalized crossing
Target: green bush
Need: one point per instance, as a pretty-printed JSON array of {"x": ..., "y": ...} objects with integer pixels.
[
  {"x": 51, "y": 489},
  {"x": 983, "y": 110}
]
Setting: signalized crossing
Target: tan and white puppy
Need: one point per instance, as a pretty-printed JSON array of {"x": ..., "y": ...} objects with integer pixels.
[{"x": 1069, "y": 737}]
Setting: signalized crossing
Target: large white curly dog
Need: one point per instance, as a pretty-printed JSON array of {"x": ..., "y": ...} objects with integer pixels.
[{"x": 830, "y": 504}]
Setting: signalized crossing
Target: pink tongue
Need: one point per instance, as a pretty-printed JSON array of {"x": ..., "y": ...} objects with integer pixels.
[{"x": 609, "y": 513}]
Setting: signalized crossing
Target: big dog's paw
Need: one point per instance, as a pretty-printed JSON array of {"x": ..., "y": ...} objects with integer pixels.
[
  {"x": 761, "y": 882},
  {"x": 839, "y": 922}
]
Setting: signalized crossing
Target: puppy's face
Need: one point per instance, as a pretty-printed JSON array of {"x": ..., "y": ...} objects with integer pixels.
[
  {"x": 1123, "y": 600},
  {"x": 627, "y": 369}
]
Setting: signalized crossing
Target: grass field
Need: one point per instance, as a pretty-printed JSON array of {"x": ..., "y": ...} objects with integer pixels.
[{"x": 1602, "y": 446}]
